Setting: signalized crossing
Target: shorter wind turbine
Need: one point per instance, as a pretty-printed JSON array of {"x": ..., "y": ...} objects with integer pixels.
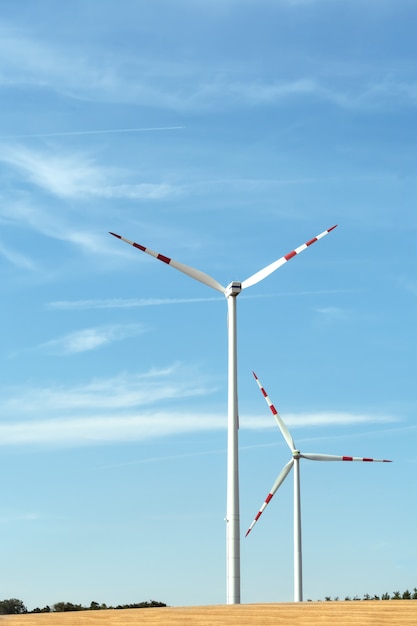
[{"x": 295, "y": 461}]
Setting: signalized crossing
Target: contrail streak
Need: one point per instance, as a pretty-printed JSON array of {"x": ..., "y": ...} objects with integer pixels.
[
  {"x": 93, "y": 132},
  {"x": 120, "y": 303}
]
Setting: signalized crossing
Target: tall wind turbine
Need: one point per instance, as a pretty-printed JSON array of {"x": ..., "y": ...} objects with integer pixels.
[
  {"x": 231, "y": 292},
  {"x": 295, "y": 461}
]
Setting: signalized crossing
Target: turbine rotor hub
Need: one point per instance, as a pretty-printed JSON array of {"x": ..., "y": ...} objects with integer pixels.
[{"x": 233, "y": 289}]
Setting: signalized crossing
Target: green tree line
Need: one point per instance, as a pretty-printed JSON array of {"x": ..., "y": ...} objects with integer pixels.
[
  {"x": 14, "y": 606},
  {"x": 396, "y": 595}
]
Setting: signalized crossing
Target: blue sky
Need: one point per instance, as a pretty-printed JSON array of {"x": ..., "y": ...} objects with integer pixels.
[{"x": 222, "y": 134}]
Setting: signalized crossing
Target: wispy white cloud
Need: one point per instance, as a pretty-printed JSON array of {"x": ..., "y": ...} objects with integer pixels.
[
  {"x": 12, "y": 518},
  {"x": 94, "y": 74},
  {"x": 322, "y": 418},
  {"x": 105, "y": 394},
  {"x": 17, "y": 258},
  {"x": 77, "y": 175},
  {"x": 141, "y": 191},
  {"x": 332, "y": 313},
  {"x": 71, "y": 175},
  {"x": 87, "y": 430},
  {"x": 84, "y": 235},
  {"x": 128, "y": 303},
  {"x": 66, "y": 176},
  {"x": 73, "y": 133},
  {"x": 25, "y": 60},
  {"x": 131, "y": 408},
  {"x": 91, "y": 338},
  {"x": 119, "y": 303}
]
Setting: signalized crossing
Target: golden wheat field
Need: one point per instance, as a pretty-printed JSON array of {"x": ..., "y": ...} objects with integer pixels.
[{"x": 362, "y": 613}]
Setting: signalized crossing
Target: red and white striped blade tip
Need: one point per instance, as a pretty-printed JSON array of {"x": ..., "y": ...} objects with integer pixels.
[
  {"x": 185, "y": 269},
  {"x": 281, "y": 424},
  {"x": 263, "y": 273},
  {"x": 312, "y": 456},
  {"x": 277, "y": 484},
  {"x": 261, "y": 510}
]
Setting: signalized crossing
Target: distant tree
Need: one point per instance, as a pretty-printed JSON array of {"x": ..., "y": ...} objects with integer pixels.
[
  {"x": 61, "y": 607},
  {"x": 141, "y": 605},
  {"x": 397, "y": 595},
  {"x": 12, "y": 606},
  {"x": 46, "y": 609}
]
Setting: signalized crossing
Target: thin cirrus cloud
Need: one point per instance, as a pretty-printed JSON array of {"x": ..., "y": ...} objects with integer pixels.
[
  {"x": 91, "y": 338},
  {"x": 130, "y": 407},
  {"x": 55, "y": 225},
  {"x": 129, "y": 303},
  {"x": 26, "y": 60},
  {"x": 105, "y": 410},
  {"x": 77, "y": 175},
  {"x": 332, "y": 314},
  {"x": 40, "y": 218},
  {"x": 73, "y": 133},
  {"x": 117, "y": 393},
  {"x": 85, "y": 429},
  {"x": 17, "y": 259},
  {"x": 179, "y": 86},
  {"x": 13, "y": 518},
  {"x": 120, "y": 303}
]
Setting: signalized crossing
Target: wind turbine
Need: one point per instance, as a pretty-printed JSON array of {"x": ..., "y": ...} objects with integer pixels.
[
  {"x": 230, "y": 292},
  {"x": 295, "y": 461}
]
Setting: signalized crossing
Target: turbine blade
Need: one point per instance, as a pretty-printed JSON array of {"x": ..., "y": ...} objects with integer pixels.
[
  {"x": 255, "y": 278},
  {"x": 281, "y": 477},
  {"x": 284, "y": 430},
  {"x": 331, "y": 457},
  {"x": 186, "y": 269}
]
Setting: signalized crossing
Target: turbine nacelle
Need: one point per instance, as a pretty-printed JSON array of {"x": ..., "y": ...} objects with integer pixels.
[{"x": 233, "y": 289}]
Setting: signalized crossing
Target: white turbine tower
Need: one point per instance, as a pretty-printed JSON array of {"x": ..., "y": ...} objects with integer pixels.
[
  {"x": 295, "y": 462},
  {"x": 231, "y": 291}
]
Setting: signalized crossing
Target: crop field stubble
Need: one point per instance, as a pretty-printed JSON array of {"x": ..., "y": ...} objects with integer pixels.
[{"x": 361, "y": 613}]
